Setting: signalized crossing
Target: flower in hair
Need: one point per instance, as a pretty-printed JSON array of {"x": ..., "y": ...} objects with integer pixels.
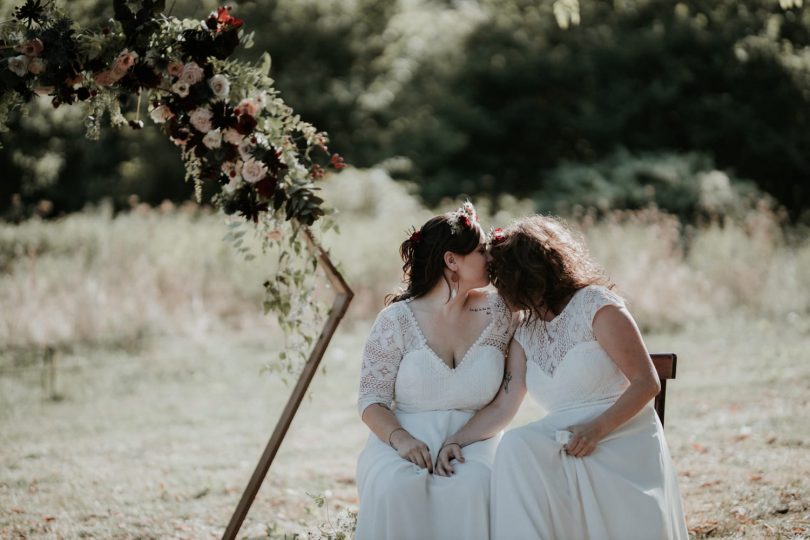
[
  {"x": 463, "y": 217},
  {"x": 496, "y": 236},
  {"x": 416, "y": 237}
]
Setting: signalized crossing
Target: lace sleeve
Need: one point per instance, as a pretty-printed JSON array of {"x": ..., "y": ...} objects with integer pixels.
[
  {"x": 595, "y": 298},
  {"x": 381, "y": 357},
  {"x": 503, "y": 326}
]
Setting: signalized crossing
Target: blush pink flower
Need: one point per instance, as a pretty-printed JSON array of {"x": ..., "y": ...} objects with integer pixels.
[
  {"x": 126, "y": 59},
  {"x": 36, "y": 66},
  {"x": 232, "y": 136},
  {"x": 192, "y": 73},
  {"x": 175, "y": 68},
  {"x": 253, "y": 171},
  {"x": 246, "y": 106},
  {"x": 200, "y": 118},
  {"x": 31, "y": 47},
  {"x": 161, "y": 114},
  {"x": 105, "y": 78}
]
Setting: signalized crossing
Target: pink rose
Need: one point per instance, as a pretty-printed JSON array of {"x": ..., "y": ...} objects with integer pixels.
[
  {"x": 180, "y": 88},
  {"x": 220, "y": 86},
  {"x": 232, "y": 136},
  {"x": 192, "y": 73},
  {"x": 201, "y": 119},
  {"x": 126, "y": 59},
  {"x": 175, "y": 68},
  {"x": 19, "y": 65},
  {"x": 105, "y": 78},
  {"x": 253, "y": 171},
  {"x": 161, "y": 114},
  {"x": 36, "y": 66},
  {"x": 246, "y": 106},
  {"x": 213, "y": 139},
  {"x": 31, "y": 48}
]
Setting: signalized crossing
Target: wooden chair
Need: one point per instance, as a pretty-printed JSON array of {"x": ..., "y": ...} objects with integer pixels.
[{"x": 665, "y": 366}]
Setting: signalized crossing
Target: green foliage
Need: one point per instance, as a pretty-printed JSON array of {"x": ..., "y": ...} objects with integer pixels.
[
  {"x": 687, "y": 185},
  {"x": 496, "y": 96}
]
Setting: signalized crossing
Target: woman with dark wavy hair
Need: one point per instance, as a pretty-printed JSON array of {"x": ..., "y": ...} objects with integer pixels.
[
  {"x": 597, "y": 465},
  {"x": 435, "y": 355}
]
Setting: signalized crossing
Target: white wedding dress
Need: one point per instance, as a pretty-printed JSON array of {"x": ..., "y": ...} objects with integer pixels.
[
  {"x": 399, "y": 500},
  {"x": 626, "y": 489}
]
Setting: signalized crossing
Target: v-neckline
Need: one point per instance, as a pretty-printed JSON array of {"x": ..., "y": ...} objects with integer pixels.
[{"x": 433, "y": 353}]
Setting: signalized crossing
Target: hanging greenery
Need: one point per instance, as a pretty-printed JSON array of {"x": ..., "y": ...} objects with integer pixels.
[{"x": 231, "y": 126}]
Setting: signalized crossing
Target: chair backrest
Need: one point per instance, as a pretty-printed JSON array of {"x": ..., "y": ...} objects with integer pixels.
[{"x": 665, "y": 364}]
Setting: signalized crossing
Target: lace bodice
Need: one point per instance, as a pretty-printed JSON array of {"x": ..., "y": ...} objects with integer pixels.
[
  {"x": 398, "y": 365},
  {"x": 566, "y": 365}
]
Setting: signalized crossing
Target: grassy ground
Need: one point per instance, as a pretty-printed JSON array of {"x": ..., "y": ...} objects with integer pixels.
[
  {"x": 159, "y": 443},
  {"x": 158, "y": 410}
]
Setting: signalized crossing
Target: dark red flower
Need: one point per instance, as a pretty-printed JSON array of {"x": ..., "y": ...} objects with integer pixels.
[
  {"x": 246, "y": 124},
  {"x": 337, "y": 162},
  {"x": 496, "y": 236},
  {"x": 416, "y": 237}
]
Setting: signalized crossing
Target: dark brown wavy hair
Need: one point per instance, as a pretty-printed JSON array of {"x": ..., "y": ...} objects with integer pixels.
[
  {"x": 423, "y": 254},
  {"x": 538, "y": 263}
]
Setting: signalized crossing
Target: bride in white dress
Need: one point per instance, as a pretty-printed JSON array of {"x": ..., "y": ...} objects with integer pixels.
[
  {"x": 597, "y": 466},
  {"x": 435, "y": 355}
]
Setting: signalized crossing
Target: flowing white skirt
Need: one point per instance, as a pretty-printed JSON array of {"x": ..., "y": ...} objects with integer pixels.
[
  {"x": 399, "y": 500},
  {"x": 626, "y": 489}
]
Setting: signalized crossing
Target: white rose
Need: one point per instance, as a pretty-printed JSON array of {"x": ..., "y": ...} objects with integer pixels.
[
  {"x": 180, "y": 88},
  {"x": 232, "y": 136},
  {"x": 19, "y": 65},
  {"x": 220, "y": 85},
  {"x": 213, "y": 139},
  {"x": 260, "y": 100},
  {"x": 253, "y": 171},
  {"x": 161, "y": 114},
  {"x": 36, "y": 66},
  {"x": 192, "y": 73},
  {"x": 201, "y": 119}
]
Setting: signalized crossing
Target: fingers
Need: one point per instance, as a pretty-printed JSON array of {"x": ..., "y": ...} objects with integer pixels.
[
  {"x": 579, "y": 446},
  {"x": 443, "y": 463},
  {"x": 457, "y": 454},
  {"x": 428, "y": 460}
]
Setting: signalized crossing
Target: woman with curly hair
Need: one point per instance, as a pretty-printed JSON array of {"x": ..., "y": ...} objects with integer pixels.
[
  {"x": 434, "y": 357},
  {"x": 597, "y": 465}
]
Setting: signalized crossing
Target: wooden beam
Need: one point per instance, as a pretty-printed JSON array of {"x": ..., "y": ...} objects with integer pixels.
[{"x": 341, "y": 303}]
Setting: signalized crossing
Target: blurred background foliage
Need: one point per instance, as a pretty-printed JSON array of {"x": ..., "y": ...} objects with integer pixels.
[{"x": 696, "y": 106}]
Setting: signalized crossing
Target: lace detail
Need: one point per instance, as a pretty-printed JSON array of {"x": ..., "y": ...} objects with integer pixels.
[
  {"x": 392, "y": 336},
  {"x": 546, "y": 343},
  {"x": 502, "y": 327},
  {"x": 395, "y": 333}
]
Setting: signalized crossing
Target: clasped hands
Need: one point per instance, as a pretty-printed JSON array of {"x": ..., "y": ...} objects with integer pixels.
[{"x": 417, "y": 452}]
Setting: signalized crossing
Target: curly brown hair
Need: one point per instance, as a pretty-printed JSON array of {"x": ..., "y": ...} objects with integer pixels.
[{"x": 538, "y": 263}]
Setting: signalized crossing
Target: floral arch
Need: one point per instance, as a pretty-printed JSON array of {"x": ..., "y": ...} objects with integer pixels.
[{"x": 228, "y": 121}]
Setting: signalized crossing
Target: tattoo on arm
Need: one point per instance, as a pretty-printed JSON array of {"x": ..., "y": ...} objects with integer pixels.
[{"x": 506, "y": 378}]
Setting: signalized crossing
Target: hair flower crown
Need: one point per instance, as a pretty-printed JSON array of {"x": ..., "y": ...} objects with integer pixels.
[{"x": 463, "y": 217}]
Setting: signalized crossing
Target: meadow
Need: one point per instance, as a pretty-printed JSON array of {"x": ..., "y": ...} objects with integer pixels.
[{"x": 149, "y": 417}]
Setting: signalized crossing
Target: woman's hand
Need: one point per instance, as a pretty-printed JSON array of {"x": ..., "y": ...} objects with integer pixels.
[
  {"x": 449, "y": 451},
  {"x": 584, "y": 438},
  {"x": 412, "y": 449}
]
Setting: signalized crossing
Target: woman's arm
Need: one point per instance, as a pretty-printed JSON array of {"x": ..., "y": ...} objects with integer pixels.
[
  {"x": 492, "y": 418},
  {"x": 617, "y": 333},
  {"x": 385, "y": 425}
]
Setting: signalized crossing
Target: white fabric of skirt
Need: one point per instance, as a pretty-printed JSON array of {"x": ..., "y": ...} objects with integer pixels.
[
  {"x": 401, "y": 501},
  {"x": 626, "y": 489}
]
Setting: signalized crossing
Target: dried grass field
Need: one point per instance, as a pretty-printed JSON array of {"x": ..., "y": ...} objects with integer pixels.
[{"x": 156, "y": 407}]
